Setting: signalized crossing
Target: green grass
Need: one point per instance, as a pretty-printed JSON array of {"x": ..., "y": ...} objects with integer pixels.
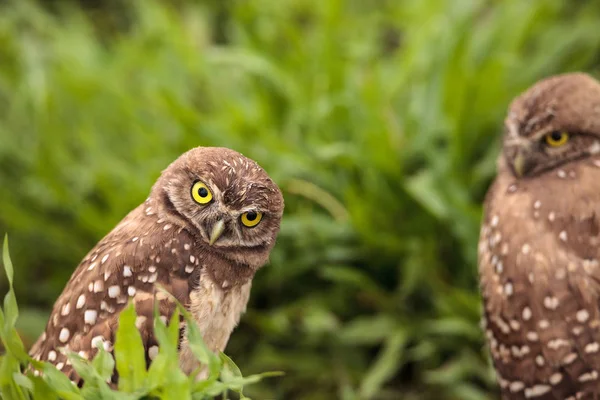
[
  {"x": 379, "y": 120},
  {"x": 163, "y": 380}
]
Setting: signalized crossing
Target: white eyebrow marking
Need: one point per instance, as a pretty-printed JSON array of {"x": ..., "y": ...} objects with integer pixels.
[
  {"x": 513, "y": 129},
  {"x": 516, "y": 141}
]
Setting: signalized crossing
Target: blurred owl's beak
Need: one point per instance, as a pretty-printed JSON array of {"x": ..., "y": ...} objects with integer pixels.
[
  {"x": 519, "y": 164},
  {"x": 216, "y": 232},
  {"x": 522, "y": 162}
]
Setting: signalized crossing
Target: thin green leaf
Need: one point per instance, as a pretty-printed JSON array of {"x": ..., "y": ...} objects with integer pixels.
[
  {"x": 8, "y": 267},
  {"x": 8, "y": 386},
  {"x": 387, "y": 363},
  {"x": 23, "y": 381},
  {"x": 41, "y": 389},
  {"x": 10, "y": 302},
  {"x": 103, "y": 363},
  {"x": 59, "y": 382},
  {"x": 129, "y": 353}
]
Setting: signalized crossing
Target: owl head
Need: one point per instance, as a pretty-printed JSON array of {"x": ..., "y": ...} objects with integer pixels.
[
  {"x": 225, "y": 199},
  {"x": 552, "y": 123}
]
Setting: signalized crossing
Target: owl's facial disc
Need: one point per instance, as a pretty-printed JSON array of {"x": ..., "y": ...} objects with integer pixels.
[
  {"x": 225, "y": 200},
  {"x": 553, "y": 123},
  {"x": 223, "y": 223},
  {"x": 529, "y": 156}
]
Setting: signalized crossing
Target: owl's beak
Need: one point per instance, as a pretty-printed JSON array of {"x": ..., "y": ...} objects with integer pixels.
[
  {"x": 519, "y": 164},
  {"x": 522, "y": 162},
  {"x": 216, "y": 231}
]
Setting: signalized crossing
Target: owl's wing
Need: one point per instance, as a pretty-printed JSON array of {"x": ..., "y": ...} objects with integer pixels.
[
  {"x": 126, "y": 265},
  {"x": 541, "y": 296},
  {"x": 581, "y": 236}
]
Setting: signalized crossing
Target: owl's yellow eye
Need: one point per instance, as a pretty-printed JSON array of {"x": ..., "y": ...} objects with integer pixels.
[
  {"x": 556, "y": 138},
  {"x": 251, "y": 218},
  {"x": 201, "y": 193}
]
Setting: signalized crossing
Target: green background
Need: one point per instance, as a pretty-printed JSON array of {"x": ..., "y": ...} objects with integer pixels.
[{"x": 379, "y": 120}]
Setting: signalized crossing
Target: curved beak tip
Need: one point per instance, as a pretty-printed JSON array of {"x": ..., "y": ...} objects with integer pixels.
[
  {"x": 216, "y": 232},
  {"x": 519, "y": 164}
]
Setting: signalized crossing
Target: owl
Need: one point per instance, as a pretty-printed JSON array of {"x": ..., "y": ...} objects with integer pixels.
[
  {"x": 539, "y": 245},
  {"x": 208, "y": 225}
]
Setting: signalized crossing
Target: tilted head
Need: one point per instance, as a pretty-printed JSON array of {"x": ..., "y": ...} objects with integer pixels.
[
  {"x": 554, "y": 122},
  {"x": 227, "y": 200}
]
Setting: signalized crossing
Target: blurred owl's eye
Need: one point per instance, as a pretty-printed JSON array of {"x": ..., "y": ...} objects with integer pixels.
[
  {"x": 556, "y": 138},
  {"x": 201, "y": 193},
  {"x": 251, "y": 218}
]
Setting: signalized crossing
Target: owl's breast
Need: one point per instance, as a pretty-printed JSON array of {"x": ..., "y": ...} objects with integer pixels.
[{"x": 217, "y": 311}]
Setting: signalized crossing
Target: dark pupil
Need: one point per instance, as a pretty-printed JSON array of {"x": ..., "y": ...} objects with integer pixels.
[
  {"x": 556, "y": 136},
  {"x": 202, "y": 192},
  {"x": 251, "y": 216}
]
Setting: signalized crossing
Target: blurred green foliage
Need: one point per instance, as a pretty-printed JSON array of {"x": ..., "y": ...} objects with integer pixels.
[{"x": 379, "y": 120}]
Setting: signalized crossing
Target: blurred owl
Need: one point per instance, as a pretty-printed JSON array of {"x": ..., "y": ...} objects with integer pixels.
[
  {"x": 540, "y": 244},
  {"x": 208, "y": 225}
]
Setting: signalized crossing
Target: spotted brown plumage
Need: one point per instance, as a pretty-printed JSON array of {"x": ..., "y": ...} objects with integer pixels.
[
  {"x": 539, "y": 247},
  {"x": 208, "y": 225}
]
